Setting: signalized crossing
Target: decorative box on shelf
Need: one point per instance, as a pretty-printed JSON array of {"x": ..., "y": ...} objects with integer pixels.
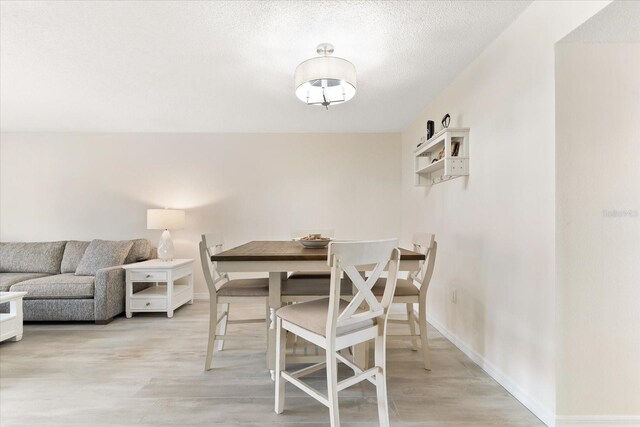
[{"x": 443, "y": 157}]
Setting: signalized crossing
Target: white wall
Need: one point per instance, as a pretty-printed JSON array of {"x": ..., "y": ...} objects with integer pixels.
[
  {"x": 250, "y": 186},
  {"x": 598, "y": 229},
  {"x": 496, "y": 229}
]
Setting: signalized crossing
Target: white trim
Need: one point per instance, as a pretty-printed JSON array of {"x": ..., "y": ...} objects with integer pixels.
[
  {"x": 538, "y": 409},
  {"x": 598, "y": 420}
]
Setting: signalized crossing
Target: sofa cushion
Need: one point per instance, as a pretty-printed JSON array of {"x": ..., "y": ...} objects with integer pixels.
[
  {"x": 140, "y": 251},
  {"x": 61, "y": 286},
  {"x": 73, "y": 252},
  {"x": 103, "y": 254},
  {"x": 32, "y": 257},
  {"x": 8, "y": 279}
]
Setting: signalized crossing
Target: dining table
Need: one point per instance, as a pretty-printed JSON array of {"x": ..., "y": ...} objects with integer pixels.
[{"x": 278, "y": 258}]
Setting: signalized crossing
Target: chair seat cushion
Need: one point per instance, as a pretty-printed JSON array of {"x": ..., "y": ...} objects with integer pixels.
[
  {"x": 312, "y": 286},
  {"x": 61, "y": 286},
  {"x": 245, "y": 288},
  {"x": 9, "y": 279},
  {"x": 312, "y": 316},
  {"x": 404, "y": 287}
]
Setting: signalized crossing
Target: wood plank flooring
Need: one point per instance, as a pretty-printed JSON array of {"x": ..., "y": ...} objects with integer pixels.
[{"x": 148, "y": 370}]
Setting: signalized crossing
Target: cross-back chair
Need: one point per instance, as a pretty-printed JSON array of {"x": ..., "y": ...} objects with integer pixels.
[
  {"x": 225, "y": 292},
  {"x": 297, "y": 235},
  {"x": 309, "y": 285},
  {"x": 413, "y": 290},
  {"x": 334, "y": 324}
]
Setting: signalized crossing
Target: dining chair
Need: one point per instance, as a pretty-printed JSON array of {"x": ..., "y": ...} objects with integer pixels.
[
  {"x": 224, "y": 291},
  {"x": 413, "y": 290},
  {"x": 302, "y": 286},
  {"x": 297, "y": 235},
  {"x": 335, "y": 324}
]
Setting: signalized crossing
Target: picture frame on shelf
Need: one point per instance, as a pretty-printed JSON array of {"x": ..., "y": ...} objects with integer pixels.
[{"x": 455, "y": 149}]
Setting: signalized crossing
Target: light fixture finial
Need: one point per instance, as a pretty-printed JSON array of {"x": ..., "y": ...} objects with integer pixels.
[{"x": 325, "y": 49}]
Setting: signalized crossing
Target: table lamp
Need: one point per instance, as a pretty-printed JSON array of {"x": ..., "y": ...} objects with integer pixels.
[{"x": 165, "y": 219}]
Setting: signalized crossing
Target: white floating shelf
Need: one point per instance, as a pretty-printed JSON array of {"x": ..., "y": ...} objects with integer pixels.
[
  {"x": 432, "y": 167},
  {"x": 428, "y": 171}
]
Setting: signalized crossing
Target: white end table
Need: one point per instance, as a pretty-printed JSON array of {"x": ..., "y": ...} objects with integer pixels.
[
  {"x": 11, "y": 323},
  {"x": 159, "y": 298}
]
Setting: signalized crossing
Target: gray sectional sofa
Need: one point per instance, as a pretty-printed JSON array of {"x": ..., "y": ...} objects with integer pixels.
[{"x": 70, "y": 280}]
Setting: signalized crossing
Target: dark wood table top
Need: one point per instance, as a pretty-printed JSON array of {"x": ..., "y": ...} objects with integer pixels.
[{"x": 287, "y": 250}]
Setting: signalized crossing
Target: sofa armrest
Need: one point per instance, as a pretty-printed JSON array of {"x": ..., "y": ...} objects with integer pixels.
[{"x": 109, "y": 294}]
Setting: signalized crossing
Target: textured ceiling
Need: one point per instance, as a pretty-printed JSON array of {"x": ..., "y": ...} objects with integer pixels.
[
  {"x": 619, "y": 22},
  {"x": 170, "y": 66}
]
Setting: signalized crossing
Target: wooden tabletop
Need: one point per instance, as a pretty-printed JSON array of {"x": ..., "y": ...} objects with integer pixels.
[{"x": 287, "y": 250}]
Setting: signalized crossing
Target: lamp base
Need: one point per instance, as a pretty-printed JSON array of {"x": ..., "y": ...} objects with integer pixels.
[{"x": 165, "y": 248}]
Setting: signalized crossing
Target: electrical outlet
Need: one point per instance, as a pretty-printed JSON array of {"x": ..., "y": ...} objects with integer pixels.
[{"x": 454, "y": 296}]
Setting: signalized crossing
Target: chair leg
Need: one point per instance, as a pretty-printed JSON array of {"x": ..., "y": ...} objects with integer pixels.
[
  {"x": 223, "y": 326},
  {"x": 267, "y": 322},
  {"x": 332, "y": 386},
  {"x": 381, "y": 381},
  {"x": 281, "y": 354},
  {"x": 412, "y": 326},
  {"x": 422, "y": 325},
  {"x": 213, "y": 320},
  {"x": 292, "y": 342}
]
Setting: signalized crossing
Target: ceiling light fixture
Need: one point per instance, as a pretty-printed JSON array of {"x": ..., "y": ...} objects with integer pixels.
[{"x": 326, "y": 79}]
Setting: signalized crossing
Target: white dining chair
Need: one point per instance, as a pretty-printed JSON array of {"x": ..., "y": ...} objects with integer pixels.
[
  {"x": 335, "y": 324},
  {"x": 297, "y": 235},
  {"x": 303, "y": 286},
  {"x": 226, "y": 292},
  {"x": 413, "y": 290}
]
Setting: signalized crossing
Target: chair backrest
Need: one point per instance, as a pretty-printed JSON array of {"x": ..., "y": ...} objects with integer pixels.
[
  {"x": 346, "y": 257},
  {"x": 211, "y": 244},
  {"x": 425, "y": 244},
  {"x": 297, "y": 234}
]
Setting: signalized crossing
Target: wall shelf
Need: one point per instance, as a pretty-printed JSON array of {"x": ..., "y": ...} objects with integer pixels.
[{"x": 429, "y": 172}]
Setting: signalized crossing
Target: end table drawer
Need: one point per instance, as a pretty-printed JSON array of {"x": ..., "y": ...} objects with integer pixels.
[
  {"x": 148, "y": 304},
  {"x": 149, "y": 276}
]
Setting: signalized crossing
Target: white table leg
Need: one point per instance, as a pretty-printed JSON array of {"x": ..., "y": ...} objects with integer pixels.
[
  {"x": 170, "y": 297},
  {"x": 16, "y": 307},
  {"x": 129, "y": 292},
  {"x": 191, "y": 287},
  {"x": 275, "y": 284}
]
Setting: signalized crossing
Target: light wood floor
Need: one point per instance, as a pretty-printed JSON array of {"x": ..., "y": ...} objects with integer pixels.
[{"x": 148, "y": 370}]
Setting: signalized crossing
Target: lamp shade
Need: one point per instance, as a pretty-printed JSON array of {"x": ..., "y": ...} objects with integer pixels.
[
  {"x": 165, "y": 219},
  {"x": 325, "y": 80}
]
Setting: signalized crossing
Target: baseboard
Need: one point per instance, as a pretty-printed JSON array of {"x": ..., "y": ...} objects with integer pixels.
[
  {"x": 598, "y": 421},
  {"x": 538, "y": 409}
]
